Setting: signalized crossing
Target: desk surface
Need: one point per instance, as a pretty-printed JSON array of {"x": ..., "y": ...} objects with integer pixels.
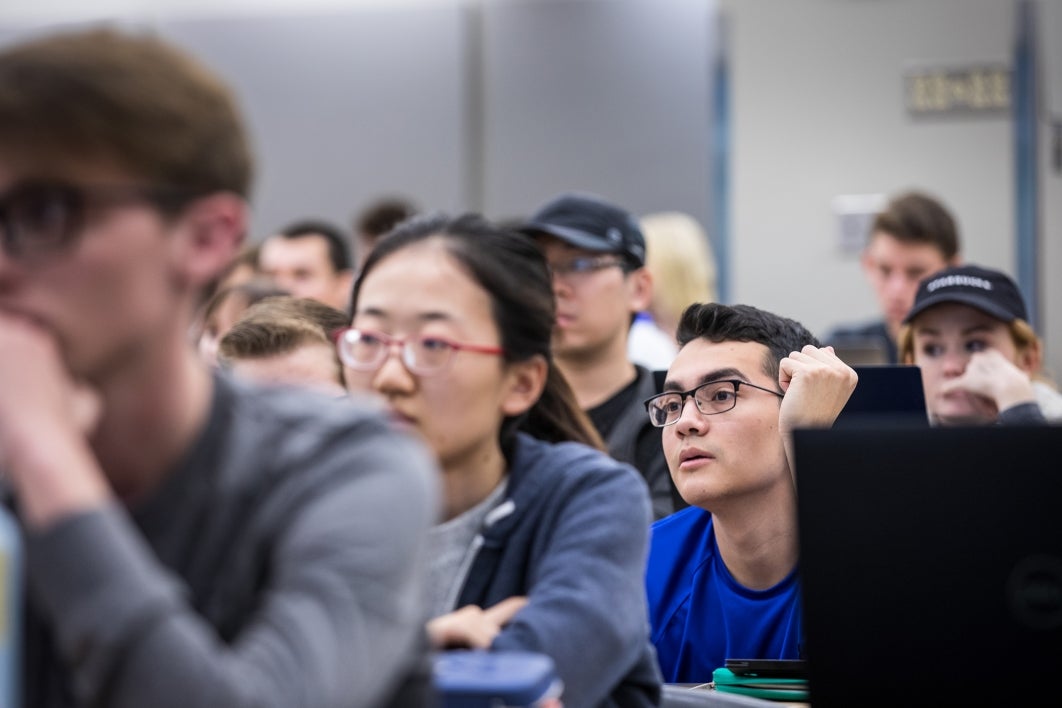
[{"x": 693, "y": 695}]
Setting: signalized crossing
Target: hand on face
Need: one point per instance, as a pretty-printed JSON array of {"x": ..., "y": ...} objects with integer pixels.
[
  {"x": 40, "y": 398},
  {"x": 471, "y": 626},
  {"x": 817, "y": 385},
  {"x": 45, "y": 418},
  {"x": 992, "y": 381}
]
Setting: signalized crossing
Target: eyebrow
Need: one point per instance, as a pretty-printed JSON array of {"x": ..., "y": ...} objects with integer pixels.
[
  {"x": 431, "y": 316},
  {"x": 936, "y": 332},
  {"x": 671, "y": 386}
]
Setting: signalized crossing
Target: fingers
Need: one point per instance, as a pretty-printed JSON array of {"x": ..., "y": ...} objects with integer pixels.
[
  {"x": 504, "y": 611},
  {"x": 990, "y": 375},
  {"x": 471, "y": 626},
  {"x": 817, "y": 385}
]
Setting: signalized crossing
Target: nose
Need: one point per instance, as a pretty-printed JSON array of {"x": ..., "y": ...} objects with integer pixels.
[
  {"x": 899, "y": 285},
  {"x": 953, "y": 363},
  {"x": 561, "y": 287},
  {"x": 691, "y": 420},
  {"x": 393, "y": 376}
]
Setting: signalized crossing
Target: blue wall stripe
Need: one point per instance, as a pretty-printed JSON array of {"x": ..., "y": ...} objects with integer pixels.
[{"x": 1026, "y": 169}]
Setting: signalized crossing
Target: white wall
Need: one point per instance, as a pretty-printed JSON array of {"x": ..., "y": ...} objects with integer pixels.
[{"x": 818, "y": 111}]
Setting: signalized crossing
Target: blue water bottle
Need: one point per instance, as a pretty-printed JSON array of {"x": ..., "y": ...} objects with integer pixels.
[{"x": 10, "y": 607}]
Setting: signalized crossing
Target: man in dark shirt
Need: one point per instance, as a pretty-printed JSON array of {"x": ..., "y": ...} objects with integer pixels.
[
  {"x": 189, "y": 541},
  {"x": 913, "y": 237},
  {"x": 597, "y": 253}
]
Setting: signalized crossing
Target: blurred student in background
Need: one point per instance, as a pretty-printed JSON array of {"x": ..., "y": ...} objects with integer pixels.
[
  {"x": 224, "y": 308},
  {"x": 914, "y": 236},
  {"x": 680, "y": 259},
  {"x": 286, "y": 340},
  {"x": 596, "y": 253},
  {"x": 543, "y": 540},
  {"x": 981, "y": 361},
  {"x": 310, "y": 259},
  {"x": 377, "y": 219}
]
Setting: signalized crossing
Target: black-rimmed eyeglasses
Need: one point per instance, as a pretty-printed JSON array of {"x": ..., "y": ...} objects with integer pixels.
[
  {"x": 584, "y": 265},
  {"x": 366, "y": 350},
  {"x": 710, "y": 398},
  {"x": 40, "y": 216}
]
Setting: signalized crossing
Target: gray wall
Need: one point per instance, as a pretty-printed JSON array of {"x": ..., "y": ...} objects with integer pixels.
[
  {"x": 611, "y": 97},
  {"x": 495, "y": 105},
  {"x": 490, "y": 106}
]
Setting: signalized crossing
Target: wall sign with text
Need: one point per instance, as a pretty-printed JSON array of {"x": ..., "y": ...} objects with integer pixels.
[{"x": 982, "y": 90}]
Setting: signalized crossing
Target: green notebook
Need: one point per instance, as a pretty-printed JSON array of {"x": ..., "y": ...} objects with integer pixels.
[{"x": 769, "y": 687}]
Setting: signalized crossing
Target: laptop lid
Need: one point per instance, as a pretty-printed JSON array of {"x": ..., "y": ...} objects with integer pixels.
[
  {"x": 931, "y": 564},
  {"x": 860, "y": 349},
  {"x": 887, "y": 394}
]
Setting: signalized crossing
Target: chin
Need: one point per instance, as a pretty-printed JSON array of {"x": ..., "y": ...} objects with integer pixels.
[{"x": 962, "y": 416}]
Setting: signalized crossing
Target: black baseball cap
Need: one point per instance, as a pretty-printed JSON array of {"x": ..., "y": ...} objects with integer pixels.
[
  {"x": 589, "y": 222},
  {"x": 990, "y": 291}
]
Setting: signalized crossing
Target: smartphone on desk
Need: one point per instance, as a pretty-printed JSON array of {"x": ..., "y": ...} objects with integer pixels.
[{"x": 773, "y": 668}]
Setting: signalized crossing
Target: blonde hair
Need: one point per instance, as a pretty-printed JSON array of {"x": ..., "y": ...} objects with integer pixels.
[{"x": 680, "y": 259}]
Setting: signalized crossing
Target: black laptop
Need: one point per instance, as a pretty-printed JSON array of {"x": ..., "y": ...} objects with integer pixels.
[
  {"x": 886, "y": 395},
  {"x": 931, "y": 564}
]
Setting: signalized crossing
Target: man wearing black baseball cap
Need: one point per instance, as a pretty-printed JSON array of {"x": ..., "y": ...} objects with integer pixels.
[
  {"x": 969, "y": 332},
  {"x": 597, "y": 253}
]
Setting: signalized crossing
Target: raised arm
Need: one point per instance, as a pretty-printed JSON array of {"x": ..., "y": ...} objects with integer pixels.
[{"x": 817, "y": 385}]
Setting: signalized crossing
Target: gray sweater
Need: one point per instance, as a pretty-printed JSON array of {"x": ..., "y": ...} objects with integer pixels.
[{"x": 280, "y": 564}]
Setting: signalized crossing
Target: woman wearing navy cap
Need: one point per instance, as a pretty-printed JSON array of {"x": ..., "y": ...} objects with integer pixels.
[{"x": 980, "y": 358}]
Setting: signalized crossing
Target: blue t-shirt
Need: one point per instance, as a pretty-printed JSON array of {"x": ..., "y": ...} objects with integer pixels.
[{"x": 700, "y": 615}]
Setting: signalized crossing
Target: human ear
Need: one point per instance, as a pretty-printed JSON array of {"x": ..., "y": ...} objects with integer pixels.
[
  {"x": 1030, "y": 358},
  {"x": 207, "y": 235},
  {"x": 523, "y": 386},
  {"x": 640, "y": 289}
]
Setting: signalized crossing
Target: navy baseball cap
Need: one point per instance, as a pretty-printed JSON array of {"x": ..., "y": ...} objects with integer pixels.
[
  {"x": 989, "y": 291},
  {"x": 588, "y": 222}
]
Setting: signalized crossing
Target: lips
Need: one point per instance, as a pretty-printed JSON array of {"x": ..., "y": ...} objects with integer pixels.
[
  {"x": 399, "y": 418},
  {"x": 693, "y": 457}
]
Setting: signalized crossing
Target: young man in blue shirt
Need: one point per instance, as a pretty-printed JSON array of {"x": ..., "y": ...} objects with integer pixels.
[{"x": 721, "y": 577}]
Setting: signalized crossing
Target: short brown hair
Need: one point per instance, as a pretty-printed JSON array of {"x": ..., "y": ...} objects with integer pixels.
[
  {"x": 279, "y": 325},
  {"x": 134, "y": 103},
  {"x": 916, "y": 217}
]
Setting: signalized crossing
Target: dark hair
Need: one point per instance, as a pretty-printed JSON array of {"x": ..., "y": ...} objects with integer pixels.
[
  {"x": 338, "y": 244},
  {"x": 382, "y": 215},
  {"x": 135, "y": 102},
  {"x": 916, "y": 217},
  {"x": 514, "y": 273},
  {"x": 744, "y": 323}
]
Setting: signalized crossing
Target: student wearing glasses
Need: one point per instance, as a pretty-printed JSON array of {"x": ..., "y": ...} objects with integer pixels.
[
  {"x": 596, "y": 253},
  {"x": 189, "y": 540},
  {"x": 721, "y": 577},
  {"x": 543, "y": 536}
]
